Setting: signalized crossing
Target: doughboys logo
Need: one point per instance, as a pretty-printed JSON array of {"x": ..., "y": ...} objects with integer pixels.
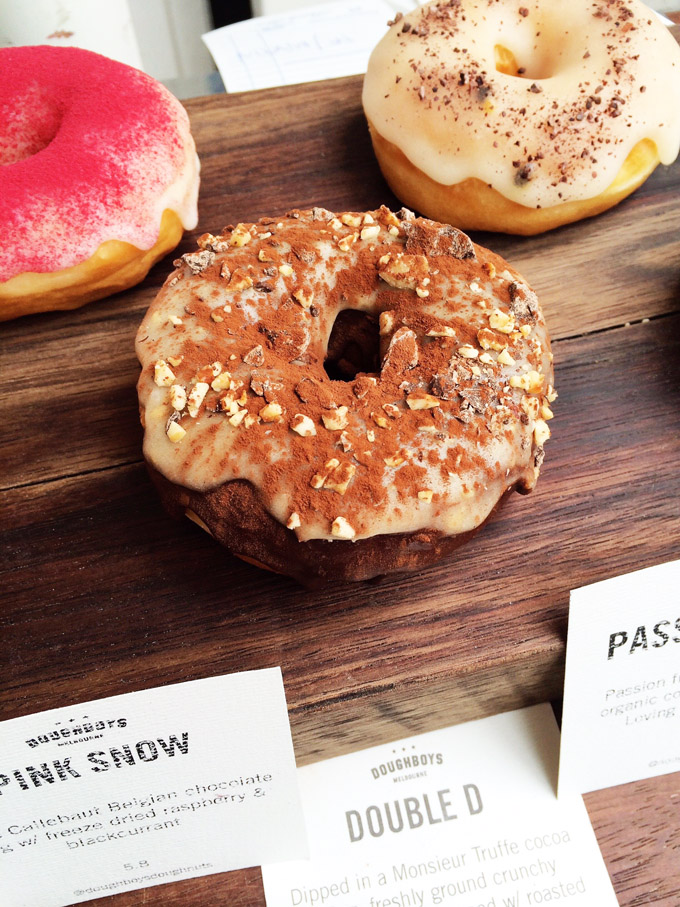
[
  {"x": 416, "y": 760},
  {"x": 76, "y": 731}
]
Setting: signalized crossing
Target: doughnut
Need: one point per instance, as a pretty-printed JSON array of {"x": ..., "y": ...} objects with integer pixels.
[
  {"x": 520, "y": 117},
  {"x": 98, "y": 177},
  {"x": 337, "y": 397}
]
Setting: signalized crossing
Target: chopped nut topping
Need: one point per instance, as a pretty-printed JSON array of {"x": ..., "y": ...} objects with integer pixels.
[
  {"x": 240, "y": 236},
  {"x": 380, "y": 420},
  {"x": 178, "y": 397},
  {"x": 530, "y": 406},
  {"x": 175, "y": 432},
  {"x": 404, "y": 272},
  {"x": 502, "y": 321},
  {"x": 319, "y": 478},
  {"x": 238, "y": 417},
  {"x": 335, "y": 420},
  {"x": 530, "y": 381},
  {"x": 294, "y": 521},
  {"x": 163, "y": 375},
  {"x": 228, "y": 404},
  {"x": 341, "y": 529},
  {"x": 216, "y": 317},
  {"x": 271, "y": 412},
  {"x": 175, "y": 321},
  {"x": 303, "y": 425},
  {"x": 345, "y": 442},
  {"x": 421, "y": 400},
  {"x": 254, "y": 356},
  {"x": 505, "y": 358},
  {"x": 196, "y": 398},
  {"x": 426, "y": 495},
  {"x": 175, "y": 360},
  {"x": 486, "y": 358},
  {"x": 262, "y": 256},
  {"x": 541, "y": 432},
  {"x": 551, "y": 394},
  {"x": 468, "y": 352},
  {"x": 488, "y": 340},
  {"x": 351, "y": 220},
  {"x": 335, "y": 224},
  {"x": 546, "y": 412},
  {"x": 392, "y": 410},
  {"x": 239, "y": 280},
  {"x": 339, "y": 477},
  {"x": 285, "y": 270},
  {"x": 525, "y": 330},
  {"x": 304, "y": 297},
  {"x": 371, "y": 232},
  {"x": 251, "y": 419},
  {"x": 222, "y": 382},
  {"x": 386, "y": 322},
  {"x": 422, "y": 293},
  {"x": 396, "y": 460},
  {"x": 444, "y": 330},
  {"x": 347, "y": 242}
]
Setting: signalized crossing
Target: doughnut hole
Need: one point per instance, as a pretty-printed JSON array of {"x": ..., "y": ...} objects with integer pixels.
[
  {"x": 353, "y": 345},
  {"x": 506, "y": 62}
]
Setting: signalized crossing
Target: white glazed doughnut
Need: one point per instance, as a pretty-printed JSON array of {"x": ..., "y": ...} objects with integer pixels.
[{"x": 521, "y": 116}]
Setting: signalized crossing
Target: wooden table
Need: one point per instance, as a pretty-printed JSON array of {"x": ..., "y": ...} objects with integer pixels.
[{"x": 103, "y": 593}]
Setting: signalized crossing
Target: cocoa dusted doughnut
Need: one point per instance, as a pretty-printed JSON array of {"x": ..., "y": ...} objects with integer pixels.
[
  {"x": 522, "y": 115},
  {"x": 342, "y": 396},
  {"x": 98, "y": 177}
]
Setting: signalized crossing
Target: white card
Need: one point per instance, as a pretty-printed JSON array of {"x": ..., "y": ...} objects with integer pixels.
[
  {"x": 146, "y": 788},
  {"x": 621, "y": 718},
  {"x": 325, "y": 41},
  {"x": 460, "y": 817}
]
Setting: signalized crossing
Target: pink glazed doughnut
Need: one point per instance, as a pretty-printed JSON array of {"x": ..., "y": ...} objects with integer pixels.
[{"x": 98, "y": 177}]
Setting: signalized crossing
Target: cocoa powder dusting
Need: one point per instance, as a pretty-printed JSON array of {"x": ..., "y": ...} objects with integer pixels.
[{"x": 386, "y": 441}]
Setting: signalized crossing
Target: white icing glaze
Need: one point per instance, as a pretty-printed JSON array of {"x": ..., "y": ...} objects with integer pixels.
[{"x": 598, "y": 80}]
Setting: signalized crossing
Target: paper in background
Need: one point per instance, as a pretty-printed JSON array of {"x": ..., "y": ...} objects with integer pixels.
[{"x": 325, "y": 41}]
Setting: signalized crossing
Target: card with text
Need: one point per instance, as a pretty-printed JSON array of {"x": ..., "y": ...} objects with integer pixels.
[
  {"x": 145, "y": 788},
  {"x": 465, "y": 816},
  {"x": 621, "y": 718},
  {"x": 322, "y": 41}
]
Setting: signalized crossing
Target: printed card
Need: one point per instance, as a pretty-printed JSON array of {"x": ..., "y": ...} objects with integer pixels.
[
  {"x": 621, "y": 718},
  {"x": 146, "y": 788},
  {"x": 464, "y": 816},
  {"x": 323, "y": 41}
]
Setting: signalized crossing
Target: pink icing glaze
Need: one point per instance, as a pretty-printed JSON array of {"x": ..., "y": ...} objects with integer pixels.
[{"x": 88, "y": 148}]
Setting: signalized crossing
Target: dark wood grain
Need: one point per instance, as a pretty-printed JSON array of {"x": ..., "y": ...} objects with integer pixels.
[{"x": 102, "y": 593}]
